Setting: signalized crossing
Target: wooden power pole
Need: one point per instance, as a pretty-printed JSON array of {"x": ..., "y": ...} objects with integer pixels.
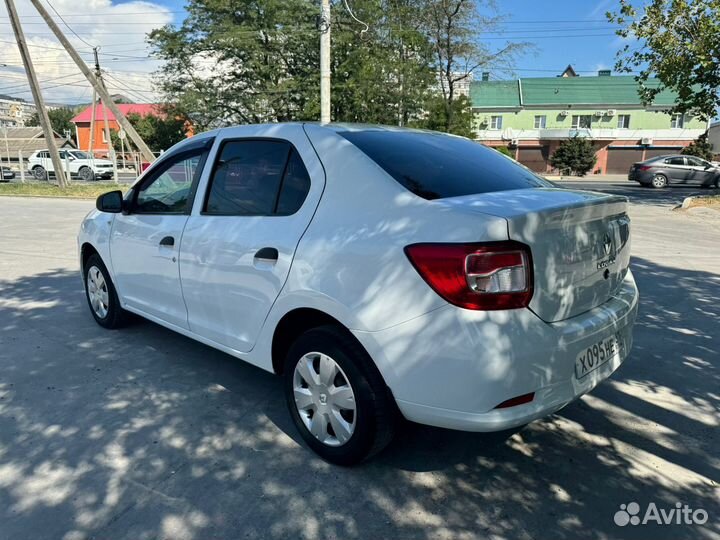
[
  {"x": 92, "y": 79},
  {"x": 37, "y": 95}
]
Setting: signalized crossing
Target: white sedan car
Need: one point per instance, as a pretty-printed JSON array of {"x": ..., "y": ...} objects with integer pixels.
[{"x": 380, "y": 271}]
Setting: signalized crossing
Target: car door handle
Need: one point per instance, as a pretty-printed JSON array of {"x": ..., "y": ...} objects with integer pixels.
[
  {"x": 267, "y": 254},
  {"x": 167, "y": 241}
]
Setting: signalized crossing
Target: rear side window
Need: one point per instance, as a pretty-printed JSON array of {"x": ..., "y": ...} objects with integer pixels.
[
  {"x": 436, "y": 166},
  {"x": 675, "y": 161},
  {"x": 257, "y": 178}
]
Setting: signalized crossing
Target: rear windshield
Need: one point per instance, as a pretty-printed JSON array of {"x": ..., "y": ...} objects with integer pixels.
[{"x": 436, "y": 166}]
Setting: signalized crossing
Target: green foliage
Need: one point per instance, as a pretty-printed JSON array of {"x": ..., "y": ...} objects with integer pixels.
[
  {"x": 249, "y": 61},
  {"x": 60, "y": 120},
  {"x": 505, "y": 150},
  {"x": 574, "y": 156},
  {"x": 158, "y": 132},
  {"x": 460, "y": 121},
  {"x": 678, "y": 41},
  {"x": 700, "y": 147}
]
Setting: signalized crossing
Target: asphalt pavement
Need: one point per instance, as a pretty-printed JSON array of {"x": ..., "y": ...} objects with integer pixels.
[{"x": 141, "y": 433}]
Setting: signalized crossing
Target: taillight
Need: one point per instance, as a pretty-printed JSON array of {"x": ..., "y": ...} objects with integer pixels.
[
  {"x": 644, "y": 167},
  {"x": 494, "y": 275}
]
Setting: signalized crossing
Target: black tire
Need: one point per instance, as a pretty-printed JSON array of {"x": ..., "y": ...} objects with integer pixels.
[
  {"x": 375, "y": 407},
  {"x": 659, "y": 181},
  {"x": 115, "y": 316},
  {"x": 40, "y": 173},
  {"x": 86, "y": 174}
]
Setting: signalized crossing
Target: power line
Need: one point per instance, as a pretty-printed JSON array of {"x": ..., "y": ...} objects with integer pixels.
[{"x": 67, "y": 25}]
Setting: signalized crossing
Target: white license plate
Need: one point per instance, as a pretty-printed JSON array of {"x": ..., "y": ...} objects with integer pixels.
[{"x": 598, "y": 354}]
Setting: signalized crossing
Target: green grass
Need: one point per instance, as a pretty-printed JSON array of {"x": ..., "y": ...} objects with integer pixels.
[{"x": 45, "y": 189}]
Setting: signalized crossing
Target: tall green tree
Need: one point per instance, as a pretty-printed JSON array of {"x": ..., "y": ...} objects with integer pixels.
[
  {"x": 700, "y": 147},
  {"x": 455, "y": 29},
  {"x": 158, "y": 132},
  {"x": 60, "y": 119},
  {"x": 240, "y": 61},
  {"x": 677, "y": 41},
  {"x": 436, "y": 117},
  {"x": 574, "y": 156}
]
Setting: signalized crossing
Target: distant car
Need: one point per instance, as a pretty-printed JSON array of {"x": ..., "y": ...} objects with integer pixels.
[
  {"x": 6, "y": 174},
  {"x": 661, "y": 171},
  {"x": 82, "y": 165}
]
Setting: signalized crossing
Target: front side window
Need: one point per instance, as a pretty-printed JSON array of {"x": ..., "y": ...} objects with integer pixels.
[
  {"x": 540, "y": 121},
  {"x": 168, "y": 190},
  {"x": 677, "y": 121},
  {"x": 436, "y": 166},
  {"x": 581, "y": 121},
  {"x": 696, "y": 162},
  {"x": 257, "y": 178},
  {"x": 496, "y": 122},
  {"x": 623, "y": 121}
]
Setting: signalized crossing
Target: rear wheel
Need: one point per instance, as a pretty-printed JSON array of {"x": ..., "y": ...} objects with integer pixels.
[
  {"x": 86, "y": 174},
  {"x": 659, "y": 181},
  {"x": 40, "y": 173},
  {"x": 101, "y": 295},
  {"x": 336, "y": 397}
]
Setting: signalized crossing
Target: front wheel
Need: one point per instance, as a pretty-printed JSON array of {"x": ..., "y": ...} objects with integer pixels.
[
  {"x": 336, "y": 397},
  {"x": 40, "y": 173},
  {"x": 101, "y": 295},
  {"x": 659, "y": 181},
  {"x": 86, "y": 174}
]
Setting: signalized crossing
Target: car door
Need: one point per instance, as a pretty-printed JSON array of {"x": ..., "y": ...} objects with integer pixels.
[
  {"x": 700, "y": 171},
  {"x": 240, "y": 240},
  {"x": 145, "y": 242},
  {"x": 677, "y": 169}
]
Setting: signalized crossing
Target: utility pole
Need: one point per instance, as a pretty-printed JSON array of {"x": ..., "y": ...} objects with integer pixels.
[
  {"x": 108, "y": 138},
  {"x": 37, "y": 96},
  {"x": 91, "y": 143},
  {"x": 99, "y": 88},
  {"x": 325, "y": 61}
]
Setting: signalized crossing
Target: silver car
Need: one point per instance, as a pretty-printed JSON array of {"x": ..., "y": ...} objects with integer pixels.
[{"x": 661, "y": 171}]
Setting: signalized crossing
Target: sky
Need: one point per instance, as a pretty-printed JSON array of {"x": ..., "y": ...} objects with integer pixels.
[{"x": 560, "y": 32}]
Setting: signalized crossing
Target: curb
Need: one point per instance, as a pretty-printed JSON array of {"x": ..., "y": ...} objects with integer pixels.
[{"x": 695, "y": 201}]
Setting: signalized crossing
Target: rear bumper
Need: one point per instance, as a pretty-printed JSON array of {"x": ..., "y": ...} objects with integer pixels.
[{"x": 451, "y": 367}]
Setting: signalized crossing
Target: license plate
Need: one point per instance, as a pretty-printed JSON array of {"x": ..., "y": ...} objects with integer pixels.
[{"x": 598, "y": 354}]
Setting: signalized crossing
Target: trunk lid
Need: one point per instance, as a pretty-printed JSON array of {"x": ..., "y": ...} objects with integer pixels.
[{"x": 580, "y": 243}]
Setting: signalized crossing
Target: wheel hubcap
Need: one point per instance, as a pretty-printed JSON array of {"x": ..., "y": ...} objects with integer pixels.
[
  {"x": 324, "y": 399},
  {"x": 97, "y": 292},
  {"x": 659, "y": 181}
]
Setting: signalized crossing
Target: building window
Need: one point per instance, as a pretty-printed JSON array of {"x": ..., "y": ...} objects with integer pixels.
[
  {"x": 540, "y": 121},
  {"x": 677, "y": 121},
  {"x": 581, "y": 121},
  {"x": 623, "y": 121},
  {"x": 496, "y": 122},
  {"x": 104, "y": 138}
]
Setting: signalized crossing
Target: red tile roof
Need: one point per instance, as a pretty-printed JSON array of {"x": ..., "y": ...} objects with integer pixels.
[{"x": 143, "y": 109}]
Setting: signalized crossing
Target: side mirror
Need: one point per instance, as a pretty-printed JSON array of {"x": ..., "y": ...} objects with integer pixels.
[{"x": 111, "y": 202}]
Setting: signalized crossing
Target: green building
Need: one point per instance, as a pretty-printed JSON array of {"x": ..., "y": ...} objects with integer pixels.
[{"x": 531, "y": 116}]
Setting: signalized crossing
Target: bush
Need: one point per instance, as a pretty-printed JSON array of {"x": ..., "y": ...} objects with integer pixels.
[
  {"x": 505, "y": 150},
  {"x": 574, "y": 156},
  {"x": 700, "y": 147}
]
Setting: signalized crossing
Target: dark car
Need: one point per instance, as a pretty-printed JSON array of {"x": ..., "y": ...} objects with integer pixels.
[
  {"x": 6, "y": 174},
  {"x": 661, "y": 171}
]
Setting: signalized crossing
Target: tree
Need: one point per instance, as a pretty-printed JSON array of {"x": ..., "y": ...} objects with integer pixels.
[
  {"x": 460, "y": 121},
  {"x": 679, "y": 43},
  {"x": 700, "y": 147},
  {"x": 60, "y": 119},
  {"x": 454, "y": 28},
  {"x": 574, "y": 156},
  {"x": 240, "y": 61},
  {"x": 505, "y": 150},
  {"x": 158, "y": 132}
]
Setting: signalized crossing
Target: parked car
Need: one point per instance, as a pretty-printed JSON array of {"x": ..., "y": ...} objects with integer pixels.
[
  {"x": 661, "y": 171},
  {"x": 6, "y": 174},
  {"x": 82, "y": 165},
  {"x": 376, "y": 270}
]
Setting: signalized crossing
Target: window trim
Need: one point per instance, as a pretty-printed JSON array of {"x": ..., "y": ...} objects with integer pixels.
[
  {"x": 543, "y": 121},
  {"x": 678, "y": 119},
  {"x": 579, "y": 116},
  {"x": 623, "y": 116},
  {"x": 500, "y": 121},
  {"x": 211, "y": 177},
  {"x": 163, "y": 166}
]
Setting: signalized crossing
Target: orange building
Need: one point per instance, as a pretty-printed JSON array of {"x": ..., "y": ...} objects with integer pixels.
[{"x": 100, "y": 143}]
